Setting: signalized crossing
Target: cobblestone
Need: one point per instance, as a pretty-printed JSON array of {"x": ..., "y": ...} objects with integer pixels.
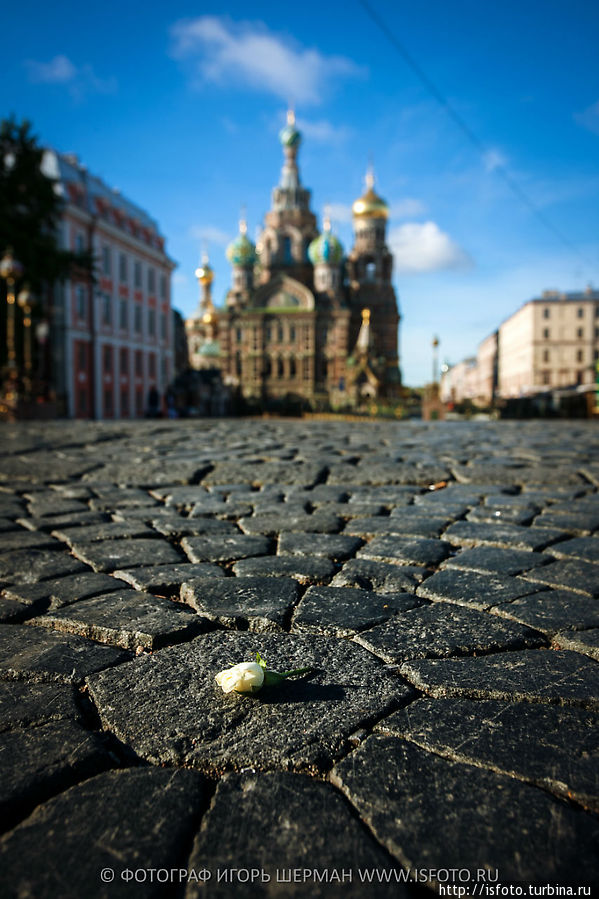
[{"x": 441, "y": 581}]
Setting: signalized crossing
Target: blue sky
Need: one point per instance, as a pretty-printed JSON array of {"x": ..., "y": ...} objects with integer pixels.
[{"x": 179, "y": 105}]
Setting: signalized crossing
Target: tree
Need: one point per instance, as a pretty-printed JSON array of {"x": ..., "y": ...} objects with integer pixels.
[{"x": 30, "y": 210}]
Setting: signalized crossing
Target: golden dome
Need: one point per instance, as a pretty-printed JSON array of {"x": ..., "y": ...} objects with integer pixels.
[
  {"x": 204, "y": 273},
  {"x": 370, "y": 205}
]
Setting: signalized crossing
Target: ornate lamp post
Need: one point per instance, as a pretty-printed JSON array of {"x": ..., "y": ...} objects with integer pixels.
[
  {"x": 10, "y": 270},
  {"x": 24, "y": 300},
  {"x": 435, "y": 360}
]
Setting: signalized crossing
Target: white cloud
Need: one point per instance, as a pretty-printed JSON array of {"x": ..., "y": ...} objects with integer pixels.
[
  {"x": 340, "y": 212},
  {"x": 589, "y": 118},
  {"x": 494, "y": 159},
  {"x": 248, "y": 54},
  {"x": 407, "y": 207},
  {"x": 324, "y": 131},
  {"x": 79, "y": 80},
  {"x": 425, "y": 248},
  {"x": 210, "y": 234}
]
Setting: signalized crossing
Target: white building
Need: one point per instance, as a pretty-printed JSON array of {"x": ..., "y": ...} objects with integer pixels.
[{"x": 112, "y": 340}]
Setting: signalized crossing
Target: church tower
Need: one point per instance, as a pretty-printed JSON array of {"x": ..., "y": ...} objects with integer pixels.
[
  {"x": 290, "y": 225},
  {"x": 369, "y": 268}
]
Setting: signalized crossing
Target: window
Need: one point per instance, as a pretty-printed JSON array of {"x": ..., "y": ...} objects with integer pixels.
[
  {"x": 546, "y": 333},
  {"x": 596, "y": 333},
  {"x": 287, "y": 257},
  {"x": 124, "y": 362},
  {"x": 268, "y": 333},
  {"x": 256, "y": 340},
  {"x": 151, "y": 280},
  {"x": 292, "y": 333},
  {"x": 123, "y": 268},
  {"x": 238, "y": 364},
  {"x": 580, "y": 312},
  {"x": 107, "y": 360},
  {"x": 80, "y": 293},
  {"x": 280, "y": 335},
  {"x": 546, "y": 377},
  {"x": 580, "y": 332},
  {"x": 545, "y": 355},
  {"x": 163, "y": 331},
  {"x": 137, "y": 318},
  {"x": 292, "y": 368},
  {"x": 137, "y": 274},
  {"x": 108, "y": 401},
  {"x": 546, "y": 312},
  {"x": 139, "y": 364},
  {"x": 106, "y": 309},
  {"x": 579, "y": 355},
  {"x": 82, "y": 356},
  {"x": 151, "y": 322},
  {"x": 152, "y": 365},
  {"x": 79, "y": 243},
  {"x": 123, "y": 315},
  {"x": 267, "y": 367},
  {"x": 125, "y": 403},
  {"x": 163, "y": 287},
  {"x": 370, "y": 274},
  {"x": 239, "y": 334},
  {"x": 280, "y": 368},
  {"x": 106, "y": 261}
]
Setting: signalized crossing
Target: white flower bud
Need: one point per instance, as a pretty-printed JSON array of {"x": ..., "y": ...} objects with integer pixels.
[{"x": 247, "y": 677}]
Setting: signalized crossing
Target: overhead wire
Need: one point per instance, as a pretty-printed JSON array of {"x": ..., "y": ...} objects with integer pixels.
[{"x": 471, "y": 136}]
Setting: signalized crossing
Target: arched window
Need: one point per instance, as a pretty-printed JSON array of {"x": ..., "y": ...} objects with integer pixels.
[
  {"x": 370, "y": 271},
  {"x": 280, "y": 368},
  {"x": 292, "y": 368},
  {"x": 238, "y": 364},
  {"x": 287, "y": 256},
  {"x": 267, "y": 367},
  {"x": 280, "y": 336}
]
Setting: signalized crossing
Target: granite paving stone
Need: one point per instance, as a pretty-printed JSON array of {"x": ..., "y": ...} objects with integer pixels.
[
  {"x": 553, "y": 610},
  {"x": 438, "y": 630},
  {"x": 63, "y": 591},
  {"x": 563, "y": 757},
  {"x": 573, "y": 521},
  {"x": 42, "y": 760},
  {"x": 119, "y": 821},
  {"x": 576, "y": 575},
  {"x": 28, "y": 566},
  {"x": 586, "y": 548},
  {"x": 496, "y": 560},
  {"x": 301, "y": 725},
  {"x": 469, "y": 588},
  {"x": 420, "y": 551},
  {"x": 110, "y": 555},
  {"x": 225, "y": 548},
  {"x": 432, "y": 813},
  {"x": 42, "y": 656},
  {"x": 319, "y": 522},
  {"x": 24, "y": 539},
  {"x": 128, "y": 618},
  {"x": 418, "y": 525},
  {"x": 166, "y": 580},
  {"x": 176, "y": 527},
  {"x": 530, "y": 675},
  {"x": 343, "y": 611},
  {"x": 302, "y": 473},
  {"x": 22, "y": 704},
  {"x": 13, "y": 611},
  {"x": 309, "y": 827},
  {"x": 379, "y": 576},
  {"x": 245, "y": 603},
  {"x": 586, "y": 642},
  {"x": 330, "y": 546},
  {"x": 52, "y": 522},
  {"x": 93, "y": 533},
  {"x": 305, "y": 569},
  {"x": 512, "y": 536}
]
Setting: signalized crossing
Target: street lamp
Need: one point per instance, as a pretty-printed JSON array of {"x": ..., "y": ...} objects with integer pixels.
[
  {"x": 24, "y": 300},
  {"x": 10, "y": 270}
]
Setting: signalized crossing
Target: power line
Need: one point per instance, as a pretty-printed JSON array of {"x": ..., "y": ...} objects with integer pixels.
[{"x": 473, "y": 138}]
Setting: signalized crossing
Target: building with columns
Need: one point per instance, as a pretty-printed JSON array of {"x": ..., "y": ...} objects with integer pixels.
[
  {"x": 111, "y": 339},
  {"x": 302, "y": 319}
]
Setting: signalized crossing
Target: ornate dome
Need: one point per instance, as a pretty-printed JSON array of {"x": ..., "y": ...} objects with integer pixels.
[
  {"x": 204, "y": 272},
  {"x": 326, "y": 248},
  {"x": 242, "y": 251},
  {"x": 370, "y": 205},
  {"x": 289, "y": 136}
]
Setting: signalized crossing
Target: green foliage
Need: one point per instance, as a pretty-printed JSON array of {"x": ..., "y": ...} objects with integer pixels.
[{"x": 30, "y": 210}]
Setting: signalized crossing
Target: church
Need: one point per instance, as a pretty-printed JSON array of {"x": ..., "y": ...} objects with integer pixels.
[{"x": 302, "y": 319}]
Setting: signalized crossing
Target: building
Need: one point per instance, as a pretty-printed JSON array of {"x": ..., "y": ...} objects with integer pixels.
[
  {"x": 111, "y": 339},
  {"x": 302, "y": 320},
  {"x": 550, "y": 342}
]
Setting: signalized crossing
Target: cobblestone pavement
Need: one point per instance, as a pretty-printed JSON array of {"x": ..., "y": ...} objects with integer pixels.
[{"x": 441, "y": 579}]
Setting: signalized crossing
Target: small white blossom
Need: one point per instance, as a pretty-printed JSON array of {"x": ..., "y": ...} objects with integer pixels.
[{"x": 247, "y": 677}]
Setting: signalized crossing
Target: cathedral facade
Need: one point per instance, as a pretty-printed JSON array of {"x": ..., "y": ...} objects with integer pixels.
[{"x": 303, "y": 319}]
